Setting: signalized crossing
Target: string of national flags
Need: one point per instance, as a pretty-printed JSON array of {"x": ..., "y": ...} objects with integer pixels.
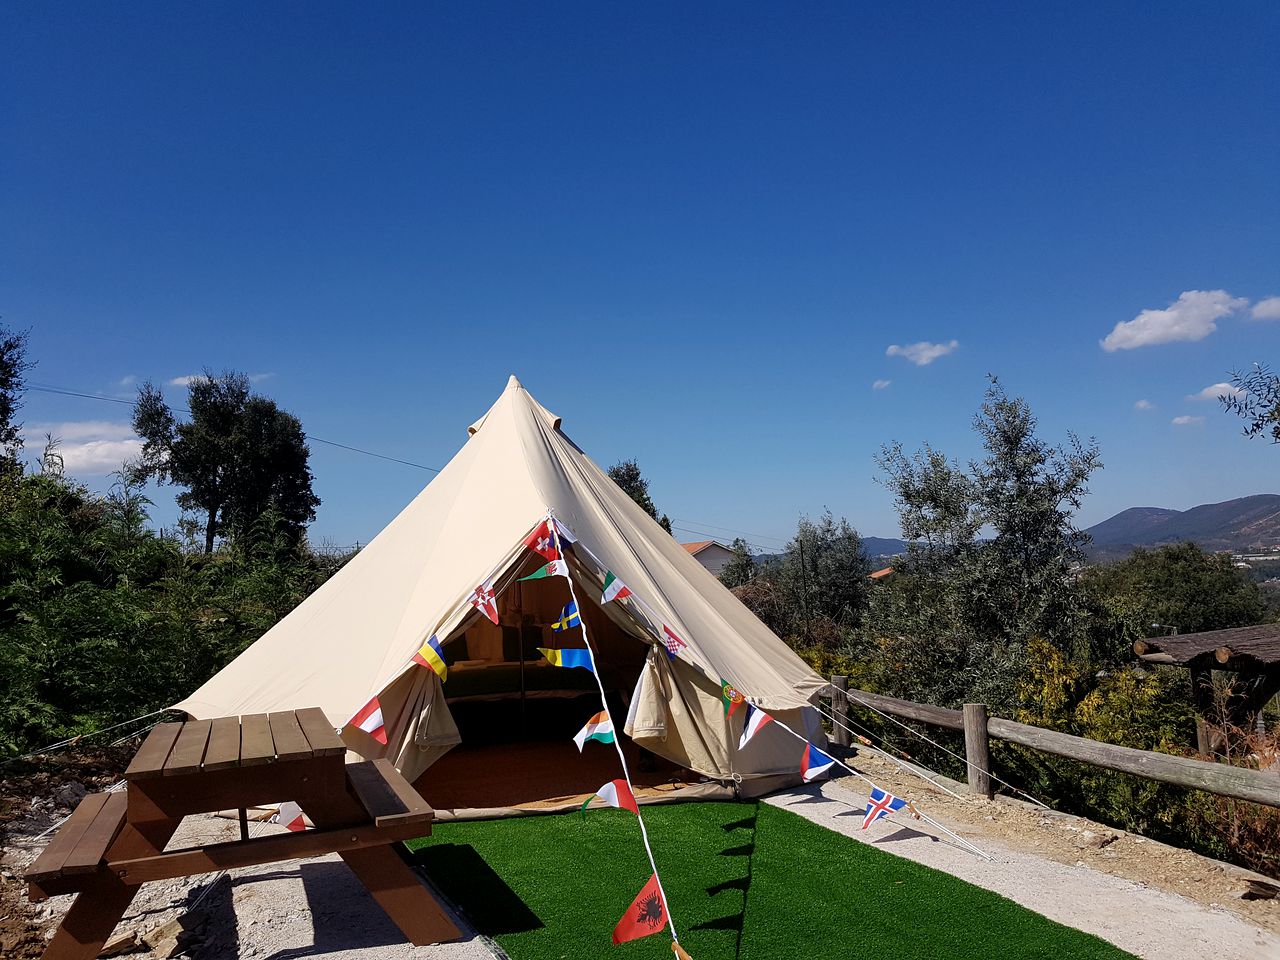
[{"x": 649, "y": 912}]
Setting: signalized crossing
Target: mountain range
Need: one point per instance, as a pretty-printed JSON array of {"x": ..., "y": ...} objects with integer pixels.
[{"x": 1244, "y": 525}]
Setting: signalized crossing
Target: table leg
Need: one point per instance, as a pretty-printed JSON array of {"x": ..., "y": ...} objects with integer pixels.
[
  {"x": 98, "y": 908},
  {"x": 388, "y": 877}
]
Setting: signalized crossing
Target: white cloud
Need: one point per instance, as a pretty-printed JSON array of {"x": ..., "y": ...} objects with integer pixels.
[
  {"x": 880, "y": 384},
  {"x": 128, "y": 381},
  {"x": 259, "y": 377},
  {"x": 1144, "y": 405},
  {"x": 192, "y": 377},
  {"x": 1268, "y": 309},
  {"x": 1193, "y": 316},
  {"x": 1216, "y": 390},
  {"x": 923, "y": 353},
  {"x": 1186, "y": 421},
  {"x": 88, "y": 447}
]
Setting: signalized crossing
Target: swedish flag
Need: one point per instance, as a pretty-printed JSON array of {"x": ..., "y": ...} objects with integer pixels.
[{"x": 568, "y": 618}]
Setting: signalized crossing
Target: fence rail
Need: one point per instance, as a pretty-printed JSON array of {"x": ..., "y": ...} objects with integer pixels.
[{"x": 1240, "y": 783}]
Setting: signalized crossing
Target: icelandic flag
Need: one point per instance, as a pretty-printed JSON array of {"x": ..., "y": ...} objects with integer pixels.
[
  {"x": 432, "y": 657},
  {"x": 568, "y": 618},
  {"x": 369, "y": 719},
  {"x": 756, "y": 718},
  {"x": 881, "y": 804},
  {"x": 814, "y": 763}
]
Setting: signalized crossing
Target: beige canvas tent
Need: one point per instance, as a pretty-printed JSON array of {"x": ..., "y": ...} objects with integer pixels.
[{"x": 354, "y": 638}]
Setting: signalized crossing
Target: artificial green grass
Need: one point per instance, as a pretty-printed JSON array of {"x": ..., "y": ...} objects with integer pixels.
[{"x": 744, "y": 880}]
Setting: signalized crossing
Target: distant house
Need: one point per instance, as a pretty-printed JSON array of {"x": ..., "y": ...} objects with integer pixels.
[
  {"x": 881, "y": 574},
  {"x": 712, "y": 554}
]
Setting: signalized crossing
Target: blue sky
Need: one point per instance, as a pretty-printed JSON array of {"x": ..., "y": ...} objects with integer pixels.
[{"x": 694, "y": 233}]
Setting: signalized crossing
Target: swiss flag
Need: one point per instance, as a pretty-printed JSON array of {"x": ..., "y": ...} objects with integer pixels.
[
  {"x": 542, "y": 541},
  {"x": 647, "y": 914}
]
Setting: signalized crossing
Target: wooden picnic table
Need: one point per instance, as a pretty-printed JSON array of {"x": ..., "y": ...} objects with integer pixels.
[{"x": 115, "y": 841}]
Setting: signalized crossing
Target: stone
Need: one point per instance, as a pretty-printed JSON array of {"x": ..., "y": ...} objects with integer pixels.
[{"x": 126, "y": 942}]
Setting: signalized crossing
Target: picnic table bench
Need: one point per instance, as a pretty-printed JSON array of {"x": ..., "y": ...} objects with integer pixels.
[{"x": 115, "y": 841}]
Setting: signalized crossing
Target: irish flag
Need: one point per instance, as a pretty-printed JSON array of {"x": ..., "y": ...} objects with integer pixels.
[
  {"x": 614, "y": 589},
  {"x": 599, "y": 727},
  {"x": 369, "y": 719},
  {"x": 616, "y": 793}
]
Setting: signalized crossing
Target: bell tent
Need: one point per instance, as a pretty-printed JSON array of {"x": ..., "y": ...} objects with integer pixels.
[{"x": 671, "y": 651}]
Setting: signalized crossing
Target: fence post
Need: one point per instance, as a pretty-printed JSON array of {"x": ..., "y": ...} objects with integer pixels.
[
  {"x": 977, "y": 749},
  {"x": 840, "y": 710}
]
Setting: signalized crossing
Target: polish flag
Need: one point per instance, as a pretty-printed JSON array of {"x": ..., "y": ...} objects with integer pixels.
[
  {"x": 369, "y": 719},
  {"x": 290, "y": 816}
]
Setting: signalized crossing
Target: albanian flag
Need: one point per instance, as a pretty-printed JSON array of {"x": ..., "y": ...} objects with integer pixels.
[{"x": 647, "y": 914}]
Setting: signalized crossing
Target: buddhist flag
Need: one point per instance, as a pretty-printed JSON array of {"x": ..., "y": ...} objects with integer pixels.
[
  {"x": 647, "y": 914},
  {"x": 482, "y": 599},
  {"x": 556, "y": 568},
  {"x": 814, "y": 763},
  {"x": 568, "y": 618},
  {"x": 881, "y": 804},
  {"x": 541, "y": 541},
  {"x": 756, "y": 718},
  {"x": 730, "y": 698},
  {"x": 599, "y": 727},
  {"x": 567, "y": 658},
  {"x": 616, "y": 793},
  {"x": 369, "y": 719},
  {"x": 290, "y": 816},
  {"x": 432, "y": 657},
  {"x": 614, "y": 589}
]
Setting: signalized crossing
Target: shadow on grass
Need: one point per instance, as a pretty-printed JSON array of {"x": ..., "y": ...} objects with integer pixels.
[
  {"x": 735, "y": 921},
  {"x": 465, "y": 878}
]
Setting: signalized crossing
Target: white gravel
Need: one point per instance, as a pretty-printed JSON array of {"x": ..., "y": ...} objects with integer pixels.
[{"x": 1148, "y": 923}]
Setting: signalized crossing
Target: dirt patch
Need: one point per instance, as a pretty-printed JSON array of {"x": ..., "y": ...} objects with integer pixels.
[{"x": 1076, "y": 841}]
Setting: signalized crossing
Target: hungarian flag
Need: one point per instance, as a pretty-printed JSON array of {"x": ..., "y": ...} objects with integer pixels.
[
  {"x": 556, "y": 568},
  {"x": 369, "y": 719},
  {"x": 672, "y": 642},
  {"x": 432, "y": 657},
  {"x": 567, "y": 658},
  {"x": 290, "y": 816},
  {"x": 616, "y": 793},
  {"x": 541, "y": 541},
  {"x": 756, "y": 718},
  {"x": 599, "y": 728},
  {"x": 614, "y": 589},
  {"x": 730, "y": 698},
  {"x": 814, "y": 763},
  {"x": 482, "y": 599},
  {"x": 881, "y": 804},
  {"x": 647, "y": 914}
]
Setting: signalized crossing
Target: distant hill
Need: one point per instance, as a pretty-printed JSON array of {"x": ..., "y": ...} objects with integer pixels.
[
  {"x": 1241, "y": 526},
  {"x": 883, "y": 546}
]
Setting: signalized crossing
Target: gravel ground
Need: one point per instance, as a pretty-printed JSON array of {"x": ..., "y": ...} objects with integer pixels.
[{"x": 1150, "y": 923}]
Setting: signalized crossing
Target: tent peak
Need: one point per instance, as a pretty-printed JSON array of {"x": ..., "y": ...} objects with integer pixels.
[{"x": 516, "y": 394}]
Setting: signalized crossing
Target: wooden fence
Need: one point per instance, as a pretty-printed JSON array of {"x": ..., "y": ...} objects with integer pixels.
[{"x": 1241, "y": 783}]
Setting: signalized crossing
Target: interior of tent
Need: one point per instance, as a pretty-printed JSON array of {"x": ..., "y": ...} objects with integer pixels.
[{"x": 516, "y": 714}]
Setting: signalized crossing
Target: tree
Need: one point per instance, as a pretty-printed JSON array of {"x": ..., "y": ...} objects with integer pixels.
[
  {"x": 13, "y": 367},
  {"x": 958, "y": 615},
  {"x": 825, "y": 569},
  {"x": 1257, "y": 402},
  {"x": 626, "y": 474},
  {"x": 741, "y": 567},
  {"x": 238, "y": 456}
]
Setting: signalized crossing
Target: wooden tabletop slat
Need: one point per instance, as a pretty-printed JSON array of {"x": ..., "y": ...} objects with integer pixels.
[
  {"x": 188, "y": 752},
  {"x": 319, "y": 732},
  {"x": 256, "y": 744},
  {"x": 49, "y": 864},
  {"x": 224, "y": 744},
  {"x": 290, "y": 742},
  {"x": 151, "y": 756},
  {"x": 386, "y": 796},
  {"x": 88, "y": 853}
]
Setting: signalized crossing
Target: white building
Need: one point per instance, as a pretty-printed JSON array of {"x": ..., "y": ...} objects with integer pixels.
[{"x": 712, "y": 554}]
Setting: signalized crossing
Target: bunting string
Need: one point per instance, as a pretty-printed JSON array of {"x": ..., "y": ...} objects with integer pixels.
[{"x": 617, "y": 743}]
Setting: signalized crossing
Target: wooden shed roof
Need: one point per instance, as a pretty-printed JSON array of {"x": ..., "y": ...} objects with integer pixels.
[{"x": 1246, "y": 649}]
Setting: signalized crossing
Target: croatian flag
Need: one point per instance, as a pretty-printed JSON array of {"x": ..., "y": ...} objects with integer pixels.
[
  {"x": 369, "y": 719},
  {"x": 756, "y": 718},
  {"x": 814, "y": 763},
  {"x": 672, "y": 642},
  {"x": 880, "y": 805}
]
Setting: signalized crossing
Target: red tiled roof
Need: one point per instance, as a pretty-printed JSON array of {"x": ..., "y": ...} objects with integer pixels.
[
  {"x": 697, "y": 546},
  {"x": 880, "y": 574}
]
